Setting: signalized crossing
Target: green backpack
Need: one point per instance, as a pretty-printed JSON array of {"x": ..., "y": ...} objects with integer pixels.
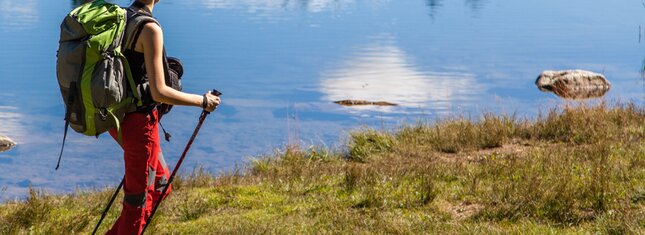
[{"x": 94, "y": 76}]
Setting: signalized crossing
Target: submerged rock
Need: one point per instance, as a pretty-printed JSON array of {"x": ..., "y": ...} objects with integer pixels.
[
  {"x": 363, "y": 102},
  {"x": 573, "y": 84},
  {"x": 6, "y": 143}
]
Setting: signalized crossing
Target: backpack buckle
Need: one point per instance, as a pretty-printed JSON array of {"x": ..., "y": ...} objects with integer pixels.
[
  {"x": 108, "y": 54},
  {"x": 103, "y": 112}
]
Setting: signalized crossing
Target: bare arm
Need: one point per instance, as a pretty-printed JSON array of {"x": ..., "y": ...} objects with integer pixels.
[{"x": 151, "y": 44}]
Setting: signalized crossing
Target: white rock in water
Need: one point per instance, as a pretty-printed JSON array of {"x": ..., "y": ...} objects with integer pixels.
[
  {"x": 573, "y": 84},
  {"x": 6, "y": 143}
]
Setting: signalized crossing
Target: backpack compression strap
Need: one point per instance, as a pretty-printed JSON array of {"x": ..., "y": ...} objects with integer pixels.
[{"x": 70, "y": 100}]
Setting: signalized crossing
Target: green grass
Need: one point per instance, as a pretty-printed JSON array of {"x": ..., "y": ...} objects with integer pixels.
[{"x": 574, "y": 170}]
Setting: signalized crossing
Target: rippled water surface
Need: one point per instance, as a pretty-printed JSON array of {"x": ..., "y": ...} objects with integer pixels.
[{"x": 282, "y": 63}]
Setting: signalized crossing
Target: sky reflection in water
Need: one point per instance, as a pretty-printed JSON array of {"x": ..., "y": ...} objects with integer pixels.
[
  {"x": 259, "y": 6},
  {"x": 18, "y": 14},
  {"x": 281, "y": 61},
  {"x": 383, "y": 72}
]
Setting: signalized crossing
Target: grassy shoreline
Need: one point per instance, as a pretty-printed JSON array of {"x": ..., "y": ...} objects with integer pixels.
[{"x": 573, "y": 170}]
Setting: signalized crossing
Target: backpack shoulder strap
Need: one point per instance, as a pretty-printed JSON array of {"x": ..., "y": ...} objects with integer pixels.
[{"x": 135, "y": 23}]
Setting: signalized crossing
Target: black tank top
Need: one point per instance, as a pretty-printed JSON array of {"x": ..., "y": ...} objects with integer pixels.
[
  {"x": 137, "y": 65},
  {"x": 136, "y": 59}
]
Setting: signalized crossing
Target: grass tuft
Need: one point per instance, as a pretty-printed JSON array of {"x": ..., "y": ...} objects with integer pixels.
[{"x": 367, "y": 143}]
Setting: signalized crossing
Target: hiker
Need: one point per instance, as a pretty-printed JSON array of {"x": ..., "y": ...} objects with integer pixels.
[{"x": 145, "y": 170}]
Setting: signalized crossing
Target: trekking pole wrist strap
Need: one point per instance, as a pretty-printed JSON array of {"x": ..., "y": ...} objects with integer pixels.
[{"x": 205, "y": 102}]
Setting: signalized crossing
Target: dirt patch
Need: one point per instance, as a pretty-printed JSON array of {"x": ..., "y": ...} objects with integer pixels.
[
  {"x": 516, "y": 147},
  {"x": 463, "y": 210}
]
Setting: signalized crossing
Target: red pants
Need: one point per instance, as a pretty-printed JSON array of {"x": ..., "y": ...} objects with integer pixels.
[{"x": 146, "y": 172}]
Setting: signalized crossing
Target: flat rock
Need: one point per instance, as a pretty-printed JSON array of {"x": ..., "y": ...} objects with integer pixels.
[
  {"x": 573, "y": 84},
  {"x": 363, "y": 102},
  {"x": 6, "y": 143}
]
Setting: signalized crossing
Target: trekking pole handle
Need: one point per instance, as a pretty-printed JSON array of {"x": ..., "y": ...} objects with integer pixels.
[{"x": 214, "y": 92}]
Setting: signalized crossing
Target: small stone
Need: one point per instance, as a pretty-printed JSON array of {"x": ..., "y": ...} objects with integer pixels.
[
  {"x": 6, "y": 143},
  {"x": 573, "y": 84},
  {"x": 363, "y": 102}
]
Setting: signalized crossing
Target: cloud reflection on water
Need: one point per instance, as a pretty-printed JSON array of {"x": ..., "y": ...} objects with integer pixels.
[
  {"x": 10, "y": 123},
  {"x": 272, "y": 5},
  {"x": 386, "y": 73},
  {"x": 17, "y": 14}
]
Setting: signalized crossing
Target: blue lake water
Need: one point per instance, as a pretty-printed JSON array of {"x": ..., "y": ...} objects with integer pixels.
[{"x": 282, "y": 63}]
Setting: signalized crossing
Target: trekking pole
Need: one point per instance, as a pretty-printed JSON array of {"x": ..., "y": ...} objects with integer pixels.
[
  {"x": 107, "y": 208},
  {"x": 202, "y": 117}
]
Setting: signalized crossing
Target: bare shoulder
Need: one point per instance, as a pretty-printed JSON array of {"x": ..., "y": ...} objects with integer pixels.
[
  {"x": 152, "y": 37},
  {"x": 151, "y": 29}
]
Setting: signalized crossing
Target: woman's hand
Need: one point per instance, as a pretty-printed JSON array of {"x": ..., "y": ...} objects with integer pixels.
[{"x": 210, "y": 102}]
